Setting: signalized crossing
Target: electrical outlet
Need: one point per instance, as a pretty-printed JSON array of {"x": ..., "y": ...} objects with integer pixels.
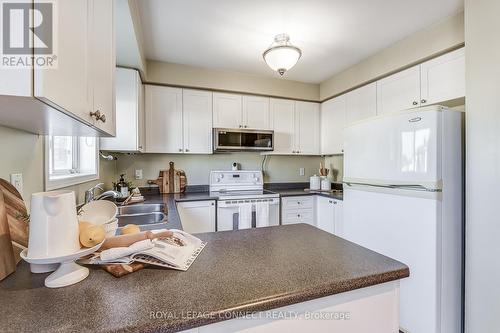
[
  {"x": 16, "y": 179},
  {"x": 302, "y": 171},
  {"x": 138, "y": 174}
]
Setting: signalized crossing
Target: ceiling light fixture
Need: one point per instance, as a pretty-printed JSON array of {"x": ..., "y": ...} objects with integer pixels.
[{"x": 281, "y": 55}]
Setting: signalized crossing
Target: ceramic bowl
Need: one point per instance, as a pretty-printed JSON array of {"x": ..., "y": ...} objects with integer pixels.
[{"x": 98, "y": 212}]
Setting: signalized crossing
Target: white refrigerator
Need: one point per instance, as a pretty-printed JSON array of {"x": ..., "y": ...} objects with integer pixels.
[{"x": 403, "y": 197}]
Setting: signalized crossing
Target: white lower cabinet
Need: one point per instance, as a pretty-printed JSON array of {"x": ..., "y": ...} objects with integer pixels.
[
  {"x": 328, "y": 214},
  {"x": 297, "y": 209},
  {"x": 322, "y": 212},
  {"x": 197, "y": 216}
]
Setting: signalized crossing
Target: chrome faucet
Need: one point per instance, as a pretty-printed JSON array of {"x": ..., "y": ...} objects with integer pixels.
[{"x": 90, "y": 194}]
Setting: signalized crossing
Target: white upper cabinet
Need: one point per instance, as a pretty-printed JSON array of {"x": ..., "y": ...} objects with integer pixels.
[
  {"x": 163, "y": 119},
  {"x": 307, "y": 128},
  {"x": 69, "y": 87},
  {"x": 332, "y": 126},
  {"x": 103, "y": 63},
  {"x": 443, "y": 78},
  {"x": 64, "y": 100},
  {"x": 227, "y": 110},
  {"x": 361, "y": 103},
  {"x": 399, "y": 91},
  {"x": 197, "y": 118},
  {"x": 256, "y": 112},
  {"x": 283, "y": 124},
  {"x": 129, "y": 113},
  {"x": 296, "y": 127}
]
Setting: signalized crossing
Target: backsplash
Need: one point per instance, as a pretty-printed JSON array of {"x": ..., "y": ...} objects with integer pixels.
[{"x": 197, "y": 167}]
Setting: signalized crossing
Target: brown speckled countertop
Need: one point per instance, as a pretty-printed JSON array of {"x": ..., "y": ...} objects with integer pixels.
[{"x": 248, "y": 270}]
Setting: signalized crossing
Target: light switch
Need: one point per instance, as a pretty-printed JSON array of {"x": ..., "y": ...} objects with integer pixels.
[
  {"x": 138, "y": 174},
  {"x": 16, "y": 179},
  {"x": 302, "y": 171}
]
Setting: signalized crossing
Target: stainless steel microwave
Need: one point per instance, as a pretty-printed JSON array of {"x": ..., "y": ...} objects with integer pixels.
[{"x": 229, "y": 139}]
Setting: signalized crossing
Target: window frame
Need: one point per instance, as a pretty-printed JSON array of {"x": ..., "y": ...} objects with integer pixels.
[{"x": 68, "y": 177}]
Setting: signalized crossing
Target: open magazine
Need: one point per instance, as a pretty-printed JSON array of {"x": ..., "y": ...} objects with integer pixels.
[{"x": 177, "y": 252}]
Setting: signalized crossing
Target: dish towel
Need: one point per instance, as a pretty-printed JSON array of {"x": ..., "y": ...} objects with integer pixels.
[
  {"x": 245, "y": 216},
  {"x": 262, "y": 214}
]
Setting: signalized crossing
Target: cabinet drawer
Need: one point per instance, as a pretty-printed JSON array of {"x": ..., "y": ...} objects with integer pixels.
[
  {"x": 298, "y": 216},
  {"x": 298, "y": 202}
]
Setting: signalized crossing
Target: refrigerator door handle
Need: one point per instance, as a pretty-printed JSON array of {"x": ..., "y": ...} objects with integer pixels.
[{"x": 399, "y": 187}]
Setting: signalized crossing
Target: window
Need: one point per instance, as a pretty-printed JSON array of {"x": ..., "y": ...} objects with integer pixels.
[{"x": 70, "y": 160}]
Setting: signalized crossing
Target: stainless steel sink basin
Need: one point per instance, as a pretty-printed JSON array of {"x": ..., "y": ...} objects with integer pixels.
[{"x": 144, "y": 214}]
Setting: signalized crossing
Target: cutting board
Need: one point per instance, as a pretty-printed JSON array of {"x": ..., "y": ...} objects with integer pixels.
[
  {"x": 171, "y": 180},
  {"x": 7, "y": 259},
  {"x": 17, "y": 214}
]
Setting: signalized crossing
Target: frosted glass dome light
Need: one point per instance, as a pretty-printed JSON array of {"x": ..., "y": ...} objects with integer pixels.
[{"x": 282, "y": 55}]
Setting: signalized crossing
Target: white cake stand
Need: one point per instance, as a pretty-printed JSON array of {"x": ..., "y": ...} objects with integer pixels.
[{"x": 68, "y": 272}]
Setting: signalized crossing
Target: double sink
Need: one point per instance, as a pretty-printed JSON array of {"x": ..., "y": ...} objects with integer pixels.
[{"x": 141, "y": 215}]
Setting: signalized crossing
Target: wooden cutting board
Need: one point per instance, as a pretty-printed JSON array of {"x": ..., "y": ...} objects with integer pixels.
[
  {"x": 171, "y": 180},
  {"x": 7, "y": 259},
  {"x": 17, "y": 214}
]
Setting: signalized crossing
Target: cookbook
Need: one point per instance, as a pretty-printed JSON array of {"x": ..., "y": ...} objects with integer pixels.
[{"x": 177, "y": 252}]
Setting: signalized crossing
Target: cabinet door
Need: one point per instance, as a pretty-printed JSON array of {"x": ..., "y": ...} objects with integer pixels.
[
  {"x": 325, "y": 214},
  {"x": 361, "y": 103},
  {"x": 163, "y": 119},
  {"x": 307, "y": 127},
  {"x": 227, "y": 111},
  {"x": 127, "y": 112},
  {"x": 197, "y": 113},
  {"x": 256, "y": 112},
  {"x": 197, "y": 216},
  {"x": 443, "y": 78},
  {"x": 283, "y": 124},
  {"x": 102, "y": 62},
  {"x": 332, "y": 122},
  {"x": 399, "y": 91},
  {"x": 339, "y": 218},
  {"x": 68, "y": 87}
]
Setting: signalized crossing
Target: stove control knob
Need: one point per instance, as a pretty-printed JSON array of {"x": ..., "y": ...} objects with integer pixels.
[
  {"x": 221, "y": 176},
  {"x": 217, "y": 180},
  {"x": 256, "y": 179}
]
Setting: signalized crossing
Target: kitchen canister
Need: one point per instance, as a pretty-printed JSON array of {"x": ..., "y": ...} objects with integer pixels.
[
  {"x": 53, "y": 225},
  {"x": 315, "y": 183},
  {"x": 326, "y": 184}
]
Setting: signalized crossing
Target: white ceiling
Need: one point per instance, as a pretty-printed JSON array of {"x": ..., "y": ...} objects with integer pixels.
[{"x": 232, "y": 34}]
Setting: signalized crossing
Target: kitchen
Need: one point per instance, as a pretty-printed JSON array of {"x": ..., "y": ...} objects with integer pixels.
[{"x": 255, "y": 127}]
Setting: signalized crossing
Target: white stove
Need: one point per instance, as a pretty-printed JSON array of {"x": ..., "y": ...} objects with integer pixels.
[{"x": 235, "y": 189}]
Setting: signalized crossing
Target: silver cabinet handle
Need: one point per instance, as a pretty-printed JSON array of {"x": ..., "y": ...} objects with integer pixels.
[
  {"x": 423, "y": 101},
  {"x": 98, "y": 116},
  {"x": 415, "y": 103}
]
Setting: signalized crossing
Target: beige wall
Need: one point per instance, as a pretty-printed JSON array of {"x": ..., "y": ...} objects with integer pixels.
[
  {"x": 482, "y": 271},
  {"x": 197, "y": 167},
  {"x": 22, "y": 152},
  {"x": 422, "y": 45},
  {"x": 183, "y": 75}
]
